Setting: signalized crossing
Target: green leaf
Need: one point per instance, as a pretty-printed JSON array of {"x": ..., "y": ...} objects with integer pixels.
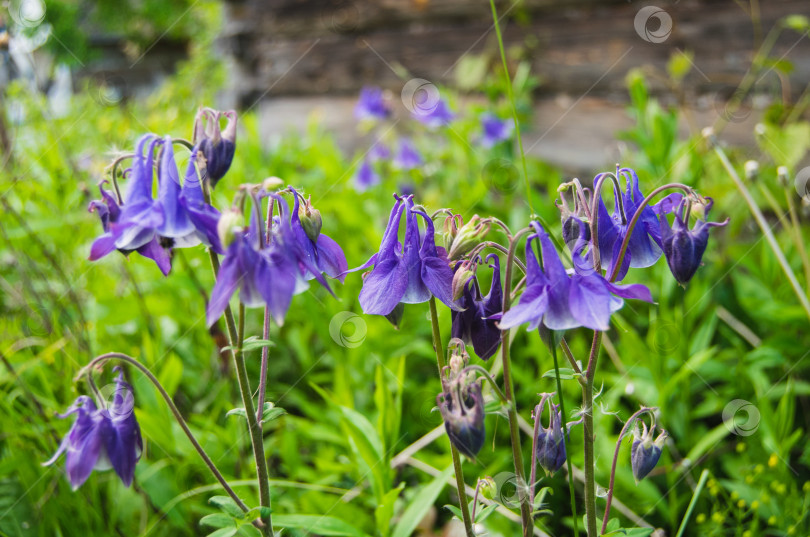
[
  {"x": 369, "y": 448},
  {"x": 224, "y": 532},
  {"x": 385, "y": 510},
  {"x": 249, "y": 530},
  {"x": 270, "y": 413},
  {"x": 250, "y": 344},
  {"x": 566, "y": 373},
  {"x": 317, "y": 525},
  {"x": 421, "y": 504},
  {"x": 218, "y": 520},
  {"x": 227, "y": 505},
  {"x": 629, "y": 532}
]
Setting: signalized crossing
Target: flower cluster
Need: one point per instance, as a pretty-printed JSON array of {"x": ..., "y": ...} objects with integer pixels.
[{"x": 102, "y": 437}]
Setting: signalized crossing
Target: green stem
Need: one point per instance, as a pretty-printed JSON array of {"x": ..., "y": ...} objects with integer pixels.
[
  {"x": 587, "y": 422},
  {"x": 763, "y": 225},
  {"x": 704, "y": 476},
  {"x": 509, "y": 390},
  {"x": 462, "y": 494},
  {"x": 565, "y": 439},
  {"x": 256, "y": 438}
]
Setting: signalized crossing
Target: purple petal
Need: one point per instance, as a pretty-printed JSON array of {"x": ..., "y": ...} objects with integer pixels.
[
  {"x": 634, "y": 291},
  {"x": 228, "y": 281},
  {"x": 383, "y": 287},
  {"x": 331, "y": 258},
  {"x": 176, "y": 222},
  {"x": 589, "y": 301},
  {"x": 160, "y": 255},
  {"x": 102, "y": 246},
  {"x": 438, "y": 277},
  {"x": 531, "y": 308}
]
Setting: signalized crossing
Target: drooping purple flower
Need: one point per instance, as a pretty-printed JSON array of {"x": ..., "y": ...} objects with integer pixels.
[
  {"x": 434, "y": 116},
  {"x": 372, "y": 104},
  {"x": 365, "y": 177},
  {"x": 549, "y": 443},
  {"x": 494, "y": 130},
  {"x": 561, "y": 301},
  {"x": 683, "y": 247},
  {"x": 216, "y": 145},
  {"x": 322, "y": 252},
  {"x": 102, "y": 438},
  {"x": 473, "y": 325},
  {"x": 407, "y": 272},
  {"x": 265, "y": 274},
  {"x": 109, "y": 212},
  {"x": 644, "y": 246},
  {"x": 462, "y": 408},
  {"x": 645, "y": 452},
  {"x": 407, "y": 157}
]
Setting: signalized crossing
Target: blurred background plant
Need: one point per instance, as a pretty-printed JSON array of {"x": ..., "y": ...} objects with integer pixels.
[{"x": 357, "y": 391}]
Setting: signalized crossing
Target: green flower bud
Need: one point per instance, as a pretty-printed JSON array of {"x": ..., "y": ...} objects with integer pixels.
[
  {"x": 488, "y": 488},
  {"x": 229, "y": 222},
  {"x": 468, "y": 237},
  {"x": 310, "y": 220}
]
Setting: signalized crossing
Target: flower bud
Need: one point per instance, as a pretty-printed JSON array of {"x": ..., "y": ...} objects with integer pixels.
[
  {"x": 488, "y": 488},
  {"x": 468, "y": 237},
  {"x": 645, "y": 452},
  {"x": 217, "y": 145},
  {"x": 272, "y": 183},
  {"x": 462, "y": 408},
  {"x": 310, "y": 220},
  {"x": 464, "y": 272},
  {"x": 550, "y": 442},
  {"x": 751, "y": 170},
  {"x": 783, "y": 175},
  {"x": 230, "y": 221}
]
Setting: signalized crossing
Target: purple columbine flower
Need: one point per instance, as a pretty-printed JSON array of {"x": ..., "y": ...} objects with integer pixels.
[
  {"x": 462, "y": 408},
  {"x": 320, "y": 250},
  {"x": 435, "y": 116},
  {"x": 644, "y": 246},
  {"x": 365, "y": 177},
  {"x": 179, "y": 218},
  {"x": 264, "y": 274},
  {"x": 494, "y": 130},
  {"x": 473, "y": 324},
  {"x": 645, "y": 452},
  {"x": 550, "y": 441},
  {"x": 407, "y": 157},
  {"x": 561, "y": 301},
  {"x": 217, "y": 145},
  {"x": 102, "y": 438},
  {"x": 408, "y": 272},
  {"x": 371, "y": 104}
]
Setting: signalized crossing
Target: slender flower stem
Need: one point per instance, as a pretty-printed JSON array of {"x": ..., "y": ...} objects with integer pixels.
[
  {"x": 571, "y": 360},
  {"x": 266, "y": 328},
  {"x": 566, "y": 439},
  {"x": 798, "y": 239},
  {"x": 587, "y": 421},
  {"x": 98, "y": 360},
  {"x": 462, "y": 495},
  {"x": 633, "y": 418},
  {"x": 763, "y": 225},
  {"x": 514, "y": 433}
]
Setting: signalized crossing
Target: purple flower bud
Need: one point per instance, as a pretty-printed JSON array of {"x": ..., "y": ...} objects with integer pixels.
[
  {"x": 462, "y": 408},
  {"x": 102, "y": 438},
  {"x": 683, "y": 247},
  {"x": 216, "y": 144},
  {"x": 645, "y": 452},
  {"x": 550, "y": 441}
]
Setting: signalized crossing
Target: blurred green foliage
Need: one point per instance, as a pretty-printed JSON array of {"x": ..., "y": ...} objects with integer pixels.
[{"x": 736, "y": 332}]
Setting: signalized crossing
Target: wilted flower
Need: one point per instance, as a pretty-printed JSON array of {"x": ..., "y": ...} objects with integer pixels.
[
  {"x": 494, "y": 130},
  {"x": 407, "y": 157},
  {"x": 645, "y": 452},
  {"x": 683, "y": 247},
  {"x": 217, "y": 145},
  {"x": 407, "y": 272},
  {"x": 365, "y": 177},
  {"x": 436, "y": 116},
  {"x": 371, "y": 104},
  {"x": 102, "y": 438},
  {"x": 462, "y": 408},
  {"x": 549, "y": 443},
  {"x": 561, "y": 301},
  {"x": 473, "y": 325}
]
